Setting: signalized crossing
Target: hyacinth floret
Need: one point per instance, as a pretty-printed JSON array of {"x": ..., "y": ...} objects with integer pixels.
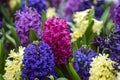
[
  {"x": 58, "y": 37},
  {"x": 38, "y": 61}
]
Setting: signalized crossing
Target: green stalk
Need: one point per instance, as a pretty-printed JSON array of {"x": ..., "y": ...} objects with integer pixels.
[{"x": 72, "y": 72}]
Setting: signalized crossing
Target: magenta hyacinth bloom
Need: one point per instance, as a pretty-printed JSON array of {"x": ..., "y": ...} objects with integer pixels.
[
  {"x": 26, "y": 20},
  {"x": 58, "y": 37}
]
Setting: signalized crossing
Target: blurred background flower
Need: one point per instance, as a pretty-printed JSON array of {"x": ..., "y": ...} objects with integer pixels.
[{"x": 39, "y": 5}]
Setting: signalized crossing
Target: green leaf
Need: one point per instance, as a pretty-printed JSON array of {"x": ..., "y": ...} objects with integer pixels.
[
  {"x": 6, "y": 14},
  {"x": 2, "y": 57},
  {"x": 59, "y": 72},
  {"x": 32, "y": 36},
  {"x": 1, "y": 78},
  {"x": 9, "y": 26},
  {"x": 62, "y": 78},
  {"x": 91, "y": 13},
  {"x": 105, "y": 15},
  {"x": 44, "y": 18},
  {"x": 15, "y": 36},
  {"x": 105, "y": 18},
  {"x": 10, "y": 39},
  {"x": 72, "y": 72},
  {"x": 88, "y": 32}
]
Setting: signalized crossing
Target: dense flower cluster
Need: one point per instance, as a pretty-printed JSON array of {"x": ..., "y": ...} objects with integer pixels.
[
  {"x": 71, "y": 6},
  {"x": 26, "y": 20},
  {"x": 111, "y": 44},
  {"x": 56, "y": 34},
  {"x": 14, "y": 64},
  {"x": 102, "y": 68},
  {"x": 38, "y": 62},
  {"x": 115, "y": 14},
  {"x": 83, "y": 58},
  {"x": 39, "y": 5},
  {"x": 86, "y": 4},
  {"x": 54, "y": 3}
]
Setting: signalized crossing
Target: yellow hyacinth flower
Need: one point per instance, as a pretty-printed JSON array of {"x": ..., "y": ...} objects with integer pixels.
[
  {"x": 102, "y": 68},
  {"x": 50, "y": 12},
  {"x": 80, "y": 19},
  {"x": 97, "y": 26},
  {"x": 13, "y": 65},
  {"x": 13, "y": 3},
  {"x": 118, "y": 76}
]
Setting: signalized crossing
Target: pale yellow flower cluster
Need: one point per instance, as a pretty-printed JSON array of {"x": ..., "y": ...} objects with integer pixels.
[
  {"x": 81, "y": 21},
  {"x": 50, "y": 12},
  {"x": 13, "y": 65},
  {"x": 80, "y": 18},
  {"x": 118, "y": 76},
  {"x": 102, "y": 68},
  {"x": 13, "y": 3}
]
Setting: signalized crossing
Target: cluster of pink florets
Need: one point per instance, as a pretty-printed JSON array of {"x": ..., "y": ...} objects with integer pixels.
[{"x": 57, "y": 35}]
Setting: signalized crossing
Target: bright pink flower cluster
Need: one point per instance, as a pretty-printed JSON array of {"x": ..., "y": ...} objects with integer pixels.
[{"x": 57, "y": 35}]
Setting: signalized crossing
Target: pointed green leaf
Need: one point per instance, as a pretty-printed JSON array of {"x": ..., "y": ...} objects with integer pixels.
[
  {"x": 2, "y": 57},
  {"x": 44, "y": 18},
  {"x": 72, "y": 72},
  {"x": 1, "y": 78},
  {"x": 15, "y": 36},
  {"x": 105, "y": 15},
  {"x": 32, "y": 36},
  {"x": 10, "y": 39}
]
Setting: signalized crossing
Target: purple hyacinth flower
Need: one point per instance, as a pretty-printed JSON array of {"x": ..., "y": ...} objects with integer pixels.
[
  {"x": 39, "y": 5},
  {"x": 38, "y": 62},
  {"x": 26, "y": 20},
  {"x": 83, "y": 58},
  {"x": 70, "y": 7}
]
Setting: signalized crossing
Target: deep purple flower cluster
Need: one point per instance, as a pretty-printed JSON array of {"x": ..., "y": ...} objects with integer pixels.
[
  {"x": 39, "y": 5},
  {"x": 115, "y": 13},
  {"x": 83, "y": 58},
  {"x": 26, "y": 20},
  {"x": 54, "y": 3},
  {"x": 38, "y": 62},
  {"x": 110, "y": 45},
  {"x": 71, "y": 6},
  {"x": 58, "y": 37},
  {"x": 86, "y": 4},
  {"x": 80, "y": 5}
]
